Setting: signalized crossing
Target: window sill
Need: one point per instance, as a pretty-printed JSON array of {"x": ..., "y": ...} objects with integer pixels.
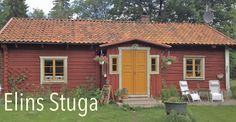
[
  {"x": 154, "y": 73},
  {"x": 114, "y": 73},
  {"x": 54, "y": 82},
  {"x": 194, "y": 78}
]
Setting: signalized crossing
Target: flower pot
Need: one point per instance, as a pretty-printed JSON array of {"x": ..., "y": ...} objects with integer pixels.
[
  {"x": 124, "y": 96},
  {"x": 119, "y": 99},
  {"x": 220, "y": 76},
  {"x": 168, "y": 62},
  {"x": 101, "y": 62},
  {"x": 179, "y": 108}
]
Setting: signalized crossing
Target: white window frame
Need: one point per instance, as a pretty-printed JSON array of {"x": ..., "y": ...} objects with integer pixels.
[
  {"x": 42, "y": 60},
  {"x": 203, "y": 67},
  {"x": 110, "y": 64},
  {"x": 157, "y": 57}
]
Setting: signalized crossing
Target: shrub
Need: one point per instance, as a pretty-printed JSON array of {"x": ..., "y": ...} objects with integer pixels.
[
  {"x": 233, "y": 89},
  {"x": 15, "y": 81},
  {"x": 84, "y": 93},
  {"x": 167, "y": 93},
  {"x": 174, "y": 117}
]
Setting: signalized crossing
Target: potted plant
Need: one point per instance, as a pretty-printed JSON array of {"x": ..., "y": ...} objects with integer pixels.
[
  {"x": 220, "y": 76},
  {"x": 173, "y": 101},
  {"x": 124, "y": 93},
  {"x": 118, "y": 94},
  {"x": 101, "y": 59},
  {"x": 168, "y": 60}
]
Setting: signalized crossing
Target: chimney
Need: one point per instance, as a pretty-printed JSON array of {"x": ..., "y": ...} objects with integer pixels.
[{"x": 145, "y": 18}]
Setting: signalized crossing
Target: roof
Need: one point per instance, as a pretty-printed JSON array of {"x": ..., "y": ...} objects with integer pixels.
[{"x": 24, "y": 30}]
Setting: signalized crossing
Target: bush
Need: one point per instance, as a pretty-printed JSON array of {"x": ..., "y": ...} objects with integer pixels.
[
  {"x": 167, "y": 93},
  {"x": 233, "y": 89},
  {"x": 174, "y": 117},
  {"x": 84, "y": 93}
]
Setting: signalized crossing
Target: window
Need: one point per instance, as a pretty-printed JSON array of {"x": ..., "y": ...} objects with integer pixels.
[
  {"x": 53, "y": 69},
  {"x": 113, "y": 64},
  {"x": 154, "y": 64},
  {"x": 194, "y": 68}
]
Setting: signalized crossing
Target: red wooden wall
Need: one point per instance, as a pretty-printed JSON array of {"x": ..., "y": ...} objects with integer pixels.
[
  {"x": 81, "y": 65},
  {"x": 25, "y": 58},
  {"x": 214, "y": 64}
]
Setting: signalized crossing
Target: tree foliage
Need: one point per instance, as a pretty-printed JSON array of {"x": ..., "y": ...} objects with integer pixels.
[
  {"x": 12, "y": 8},
  {"x": 60, "y": 10},
  {"x": 92, "y": 9},
  {"x": 15, "y": 8},
  {"x": 37, "y": 13}
]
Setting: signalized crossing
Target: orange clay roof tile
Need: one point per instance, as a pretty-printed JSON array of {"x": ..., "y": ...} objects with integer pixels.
[{"x": 24, "y": 30}]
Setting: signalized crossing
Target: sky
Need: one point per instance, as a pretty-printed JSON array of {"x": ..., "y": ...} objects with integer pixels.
[{"x": 45, "y": 5}]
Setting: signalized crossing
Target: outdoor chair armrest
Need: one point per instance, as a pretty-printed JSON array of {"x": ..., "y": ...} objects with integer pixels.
[{"x": 186, "y": 91}]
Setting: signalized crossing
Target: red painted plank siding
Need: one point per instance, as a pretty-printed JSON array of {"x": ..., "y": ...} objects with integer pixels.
[
  {"x": 214, "y": 64},
  {"x": 26, "y": 59}
]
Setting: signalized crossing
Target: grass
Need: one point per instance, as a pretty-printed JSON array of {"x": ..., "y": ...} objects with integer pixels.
[{"x": 112, "y": 113}]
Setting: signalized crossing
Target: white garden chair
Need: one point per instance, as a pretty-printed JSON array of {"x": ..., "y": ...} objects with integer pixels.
[
  {"x": 215, "y": 92},
  {"x": 185, "y": 92},
  {"x": 0, "y": 89}
]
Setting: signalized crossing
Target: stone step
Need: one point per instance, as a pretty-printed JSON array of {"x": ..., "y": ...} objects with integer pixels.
[{"x": 141, "y": 102}]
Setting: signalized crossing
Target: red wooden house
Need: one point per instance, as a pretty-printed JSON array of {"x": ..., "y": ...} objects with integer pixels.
[{"x": 60, "y": 53}]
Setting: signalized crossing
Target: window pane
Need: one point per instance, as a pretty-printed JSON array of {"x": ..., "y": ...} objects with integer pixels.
[
  {"x": 59, "y": 63},
  {"x": 48, "y": 77},
  {"x": 114, "y": 68},
  {"x": 189, "y": 74},
  {"x": 198, "y": 74},
  {"x": 48, "y": 63},
  {"x": 153, "y": 64},
  {"x": 114, "y": 61},
  {"x": 153, "y": 61},
  {"x": 48, "y": 70},
  {"x": 59, "y": 70},
  {"x": 197, "y": 61},
  {"x": 189, "y": 68},
  {"x": 189, "y": 61},
  {"x": 153, "y": 68},
  {"x": 198, "y": 67}
]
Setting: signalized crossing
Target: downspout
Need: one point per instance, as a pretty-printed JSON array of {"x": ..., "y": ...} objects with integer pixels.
[{"x": 227, "y": 71}]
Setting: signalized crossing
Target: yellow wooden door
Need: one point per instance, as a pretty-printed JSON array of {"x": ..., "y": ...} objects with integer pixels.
[
  {"x": 134, "y": 71},
  {"x": 140, "y": 72},
  {"x": 127, "y": 71}
]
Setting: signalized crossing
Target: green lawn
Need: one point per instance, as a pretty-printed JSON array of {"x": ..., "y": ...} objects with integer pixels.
[{"x": 112, "y": 113}]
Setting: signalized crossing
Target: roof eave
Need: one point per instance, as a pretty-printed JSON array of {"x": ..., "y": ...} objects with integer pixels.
[{"x": 134, "y": 39}]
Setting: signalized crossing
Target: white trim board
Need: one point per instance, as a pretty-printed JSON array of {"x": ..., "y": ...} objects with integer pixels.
[
  {"x": 148, "y": 67},
  {"x": 227, "y": 71}
]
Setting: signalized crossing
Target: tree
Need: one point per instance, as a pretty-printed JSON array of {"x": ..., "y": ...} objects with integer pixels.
[
  {"x": 37, "y": 13},
  {"x": 61, "y": 9},
  {"x": 133, "y": 9},
  {"x": 15, "y": 8},
  {"x": 92, "y": 9},
  {"x": 12, "y": 8},
  {"x": 1, "y": 14}
]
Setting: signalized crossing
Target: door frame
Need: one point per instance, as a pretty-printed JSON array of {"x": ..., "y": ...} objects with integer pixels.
[{"x": 148, "y": 67}]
